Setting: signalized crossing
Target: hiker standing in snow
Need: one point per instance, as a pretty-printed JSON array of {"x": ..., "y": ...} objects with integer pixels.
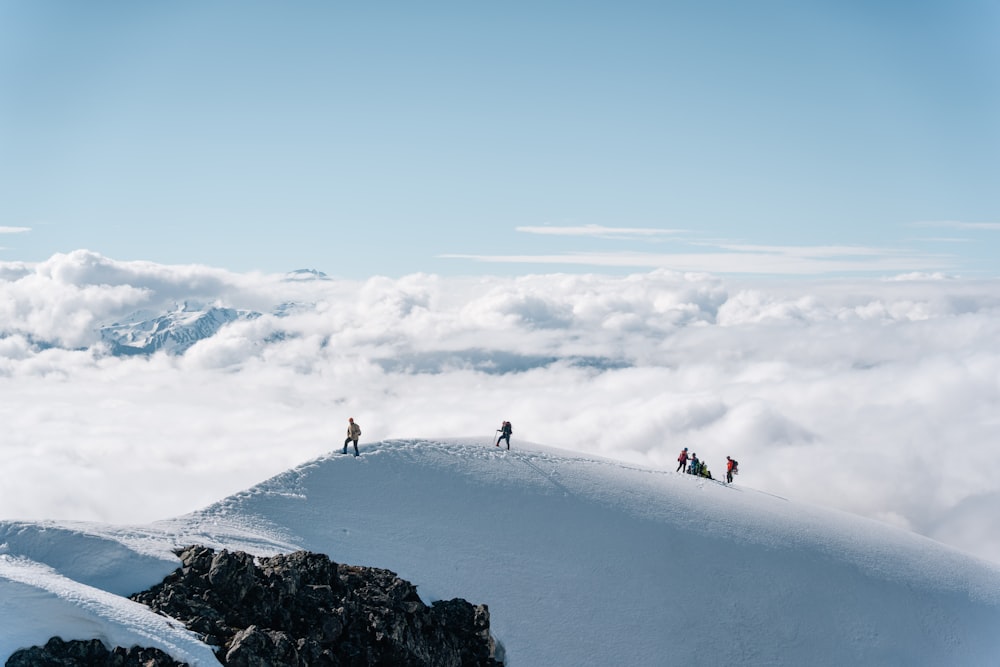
[
  {"x": 682, "y": 460},
  {"x": 353, "y": 433},
  {"x": 731, "y": 469},
  {"x": 695, "y": 464},
  {"x": 505, "y": 431}
]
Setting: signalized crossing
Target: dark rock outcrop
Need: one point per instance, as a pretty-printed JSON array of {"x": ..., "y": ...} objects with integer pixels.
[
  {"x": 92, "y": 653},
  {"x": 304, "y": 609}
]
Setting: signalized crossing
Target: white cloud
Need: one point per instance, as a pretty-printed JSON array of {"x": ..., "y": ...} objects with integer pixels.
[
  {"x": 857, "y": 394},
  {"x": 14, "y": 230}
]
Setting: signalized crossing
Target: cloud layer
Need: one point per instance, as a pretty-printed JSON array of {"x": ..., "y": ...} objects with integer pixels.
[{"x": 879, "y": 397}]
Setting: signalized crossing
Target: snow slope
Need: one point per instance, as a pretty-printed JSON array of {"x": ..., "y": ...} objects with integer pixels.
[{"x": 582, "y": 561}]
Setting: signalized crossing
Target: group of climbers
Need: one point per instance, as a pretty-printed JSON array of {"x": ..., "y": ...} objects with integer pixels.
[
  {"x": 692, "y": 465},
  {"x": 689, "y": 463}
]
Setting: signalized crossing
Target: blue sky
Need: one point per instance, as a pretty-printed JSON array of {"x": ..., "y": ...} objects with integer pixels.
[{"x": 785, "y": 138}]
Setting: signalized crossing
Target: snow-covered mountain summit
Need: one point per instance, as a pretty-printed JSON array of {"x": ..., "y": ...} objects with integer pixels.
[
  {"x": 174, "y": 332},
  {"x": 582, "y": 561}
]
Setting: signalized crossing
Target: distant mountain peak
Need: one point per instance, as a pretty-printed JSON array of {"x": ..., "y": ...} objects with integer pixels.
[{"x": 306, "y": 274}]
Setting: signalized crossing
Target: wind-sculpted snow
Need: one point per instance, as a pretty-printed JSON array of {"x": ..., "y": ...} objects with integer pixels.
[
  {"x": 38, "y": 603},
  {"x": 582, "y": 560},
  {"x": 85, "y": 555}
]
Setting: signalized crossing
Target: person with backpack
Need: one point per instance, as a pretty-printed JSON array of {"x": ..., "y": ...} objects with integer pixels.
[
  {"x": 695, "y": 464},
  {"x": 505, "y": 430},
  {"x": 682, "y": 460},
  {"x": 731, "y": 469},
  {"x": 353, "y": 433}
]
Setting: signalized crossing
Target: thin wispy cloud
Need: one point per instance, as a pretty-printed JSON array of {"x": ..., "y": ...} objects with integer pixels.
[
  {"x": 602, "y": 232},
  {"x": 957, "y": 224},
  {"x": 717, "y": 255},
  {"x": 806, "y": 251},
  {"x": 918, "y": 276},
  {"x": 14, "y": 230},
  {"x": 743, "y": 259},
  {"x": 942, "y": 239}
]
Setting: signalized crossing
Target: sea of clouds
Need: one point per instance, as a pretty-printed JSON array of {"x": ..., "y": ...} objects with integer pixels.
[{"x": 879, "y": 397}]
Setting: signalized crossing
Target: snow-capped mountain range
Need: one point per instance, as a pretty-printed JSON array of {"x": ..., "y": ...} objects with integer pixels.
[
  {"x": 174, "y": 332},
  {"x": 172, "y": 328},
  {"x": 582, "y": 561},
  {"x": 146, "y": 332}
]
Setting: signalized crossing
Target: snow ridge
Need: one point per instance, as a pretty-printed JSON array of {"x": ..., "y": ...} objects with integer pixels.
[{"x": 581, "y": 560}]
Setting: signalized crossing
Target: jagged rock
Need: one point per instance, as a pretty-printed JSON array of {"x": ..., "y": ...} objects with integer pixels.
[
  {"x": 304, "y": 609},
  {"x": 254, "y": 647},
  {"x": 92, "y": 653}
]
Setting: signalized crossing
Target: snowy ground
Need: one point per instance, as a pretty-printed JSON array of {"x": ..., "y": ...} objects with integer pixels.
[{"x": 582, "y": 561}]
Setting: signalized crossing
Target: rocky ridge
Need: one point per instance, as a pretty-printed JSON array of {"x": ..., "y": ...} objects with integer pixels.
[{"x": 300, "y": 609}]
